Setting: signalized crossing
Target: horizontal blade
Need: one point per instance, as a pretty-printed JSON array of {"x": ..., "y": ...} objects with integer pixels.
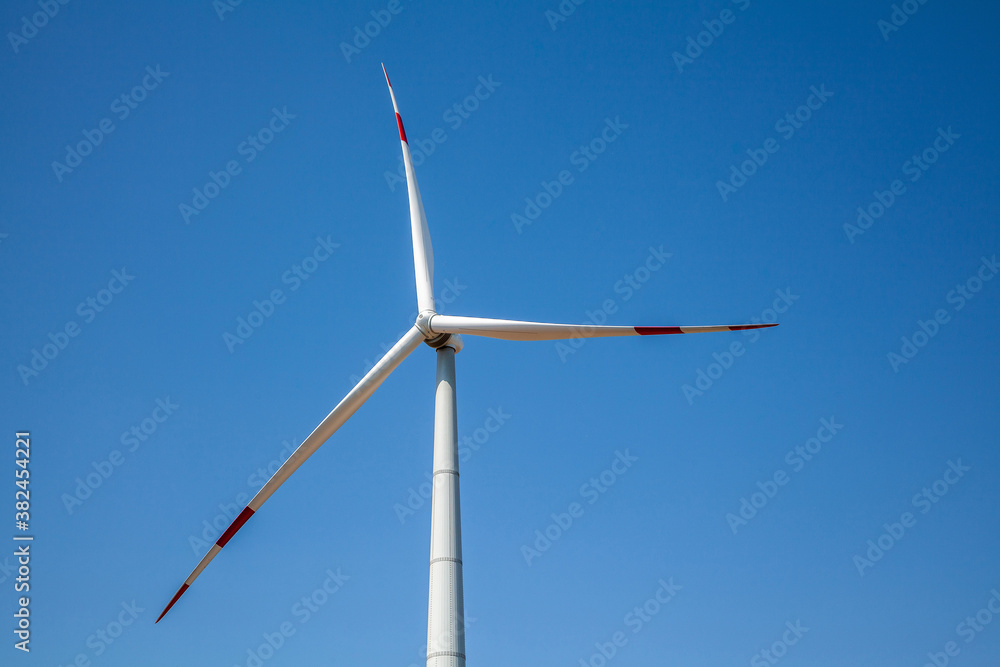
[
  {"x": 514, "y": 330},
  {"x": 340, "y": 414},
  {"x": 423, "y": 253}
]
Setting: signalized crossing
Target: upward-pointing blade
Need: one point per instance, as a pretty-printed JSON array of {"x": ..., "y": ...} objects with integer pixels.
[
  {"x": 423, "y": 253},
  {"x": 515, "y": 330},
  {"x": 340, "y": 414}
]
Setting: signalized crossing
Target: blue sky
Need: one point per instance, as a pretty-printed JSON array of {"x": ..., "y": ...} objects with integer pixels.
[{"x": 835, "y": 107}]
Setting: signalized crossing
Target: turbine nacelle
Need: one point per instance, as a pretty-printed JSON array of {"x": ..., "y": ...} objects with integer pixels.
[{"x": 437, "y": 339}]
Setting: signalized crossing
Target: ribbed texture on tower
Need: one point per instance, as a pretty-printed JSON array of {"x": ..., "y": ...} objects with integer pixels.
[{"x": 446, "y": 607}]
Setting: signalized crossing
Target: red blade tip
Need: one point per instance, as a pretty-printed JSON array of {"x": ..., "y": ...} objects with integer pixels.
[
  {"x": 177, "y": 596},
  {"x": 752, "y": 326}
]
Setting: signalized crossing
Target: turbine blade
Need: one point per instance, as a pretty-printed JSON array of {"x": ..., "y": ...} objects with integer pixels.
[
  {"x": 423, "y": 253},
  {"x": 340, "y": 414},
  {"x": 514, "y": 330}
]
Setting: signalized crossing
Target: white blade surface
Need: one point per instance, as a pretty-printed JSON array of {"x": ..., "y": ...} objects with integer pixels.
[
  {"x": 423, "y": 253},
  {"x": 515, "y": 330},
  {"x": 340, "y": 414}
]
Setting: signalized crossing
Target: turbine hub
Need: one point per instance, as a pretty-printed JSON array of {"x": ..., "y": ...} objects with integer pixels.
[
  {"x": 433, "y": 338},
  {"x": 423, "y": 323}
]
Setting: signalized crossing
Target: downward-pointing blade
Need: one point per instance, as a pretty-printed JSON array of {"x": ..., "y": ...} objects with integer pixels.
[
  {"x": 340, "y": 414},
  {"x": 515, "y": 330}
]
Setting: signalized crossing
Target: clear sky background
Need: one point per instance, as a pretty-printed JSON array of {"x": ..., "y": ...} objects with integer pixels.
[{"x": 848, "y": 296}]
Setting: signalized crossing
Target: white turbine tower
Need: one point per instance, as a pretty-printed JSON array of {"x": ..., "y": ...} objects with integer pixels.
[{"x": 445, "y": 609}]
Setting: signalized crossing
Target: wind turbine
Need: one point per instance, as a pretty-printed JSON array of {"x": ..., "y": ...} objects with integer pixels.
[{"x": 443, "y": 333}]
